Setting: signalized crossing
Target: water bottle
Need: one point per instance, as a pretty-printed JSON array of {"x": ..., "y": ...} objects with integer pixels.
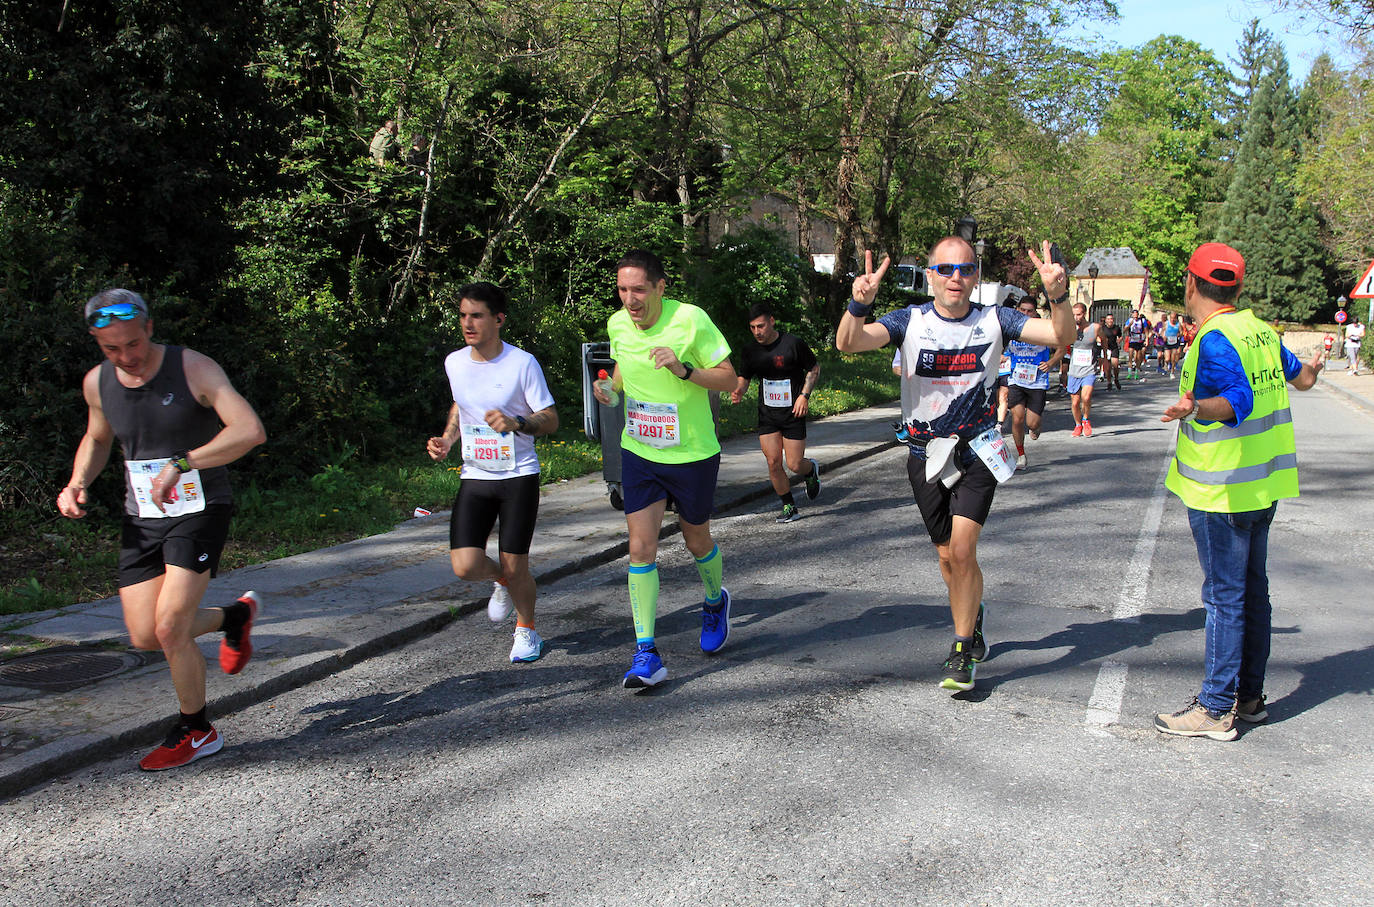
[{"x": 603, "y": 381}]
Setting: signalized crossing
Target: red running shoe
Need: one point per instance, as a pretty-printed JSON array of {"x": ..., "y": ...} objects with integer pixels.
[
  {"x": 1078, "y": 430},
  {"x": 1087, "y": 429},
  {"x": 182, "y": 747},
  {"x": 234, "y": 655}
]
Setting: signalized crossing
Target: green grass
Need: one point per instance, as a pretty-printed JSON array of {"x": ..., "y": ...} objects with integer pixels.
[{"x": 53, "y": 562}]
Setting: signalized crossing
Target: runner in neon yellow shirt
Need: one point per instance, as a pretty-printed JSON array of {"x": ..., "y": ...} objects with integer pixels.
[{"x": 669, "y": 357}]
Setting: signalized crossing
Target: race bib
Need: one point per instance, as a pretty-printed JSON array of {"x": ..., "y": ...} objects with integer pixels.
[
  {"x": 1082, "y": 357},
  {"x": 654, "y": 424},
  {"x": 486, "y": 448},
  {"x": 777, "y": 393},
  {"x": 1025, "y": 373},
  {"x": 996, "y": 453},
  {"x": 187, "y": 496}
]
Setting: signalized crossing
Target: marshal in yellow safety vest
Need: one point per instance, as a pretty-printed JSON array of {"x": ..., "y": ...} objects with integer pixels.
[{"x": 1233, "y": 469}]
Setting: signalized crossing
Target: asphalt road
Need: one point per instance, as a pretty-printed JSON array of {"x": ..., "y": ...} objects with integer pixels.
[{"x": 814, "y": 760}]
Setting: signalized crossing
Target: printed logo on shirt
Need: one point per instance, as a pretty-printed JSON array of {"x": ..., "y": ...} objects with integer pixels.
[
  {"x": 167, "y": 400},
  {"x": 939, "y": 363}
]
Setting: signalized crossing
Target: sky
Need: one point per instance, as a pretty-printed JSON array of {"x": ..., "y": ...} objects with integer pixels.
[{"x": 1217, "y": 26}]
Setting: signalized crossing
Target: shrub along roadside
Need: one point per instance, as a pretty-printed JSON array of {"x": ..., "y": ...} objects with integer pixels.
[{"x": 51, "y": 562}]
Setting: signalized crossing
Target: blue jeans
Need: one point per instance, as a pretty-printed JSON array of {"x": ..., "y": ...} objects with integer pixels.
[{"x": 1232, "y": 548}]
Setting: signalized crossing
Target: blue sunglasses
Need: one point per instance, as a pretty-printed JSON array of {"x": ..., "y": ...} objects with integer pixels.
[
  {"x": 967, "y": 269},
  {"x": 122, "y": 311}
]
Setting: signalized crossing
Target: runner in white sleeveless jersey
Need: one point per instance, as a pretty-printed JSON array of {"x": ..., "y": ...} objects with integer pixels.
[{"x": 950, "y": 351}]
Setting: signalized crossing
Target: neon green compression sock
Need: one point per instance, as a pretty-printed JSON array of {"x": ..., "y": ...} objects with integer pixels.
[
  {"x": 712, "y": 571},
  {"x": 644, "y": 600}
]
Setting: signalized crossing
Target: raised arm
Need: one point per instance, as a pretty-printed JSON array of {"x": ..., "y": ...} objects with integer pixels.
[
  {"x": 1057, "y": 330},
  {"x": 853, "y": 334}
]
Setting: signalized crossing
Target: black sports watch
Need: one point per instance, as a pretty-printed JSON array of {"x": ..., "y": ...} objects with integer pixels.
[
  {"x": 520, "y": 421},
  {"x": 687, "y": 374}
]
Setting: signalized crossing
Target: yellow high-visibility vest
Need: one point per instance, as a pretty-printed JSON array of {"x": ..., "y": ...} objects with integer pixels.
[{"x": 1223, "y": 469}]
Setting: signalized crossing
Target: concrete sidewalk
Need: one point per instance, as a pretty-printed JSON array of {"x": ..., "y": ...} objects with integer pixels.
[
  {"x": 1357, "y": 388},
  {"x": 325, "y": 610}
]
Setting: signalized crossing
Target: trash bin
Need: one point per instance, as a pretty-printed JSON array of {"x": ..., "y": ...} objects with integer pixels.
[{"x": 600, "y": 422}]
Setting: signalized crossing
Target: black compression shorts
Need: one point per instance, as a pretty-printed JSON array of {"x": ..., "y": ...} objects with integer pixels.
[{"x": 481, "y": 501}]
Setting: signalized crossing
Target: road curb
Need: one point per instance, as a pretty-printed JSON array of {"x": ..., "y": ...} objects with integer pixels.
[{"x": 1354, "y": 397}]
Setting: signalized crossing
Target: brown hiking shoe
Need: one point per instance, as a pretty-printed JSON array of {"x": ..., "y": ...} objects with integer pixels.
[
  {"x": 1195, "y": 721},
  {"x": 1252, "y": 711}
]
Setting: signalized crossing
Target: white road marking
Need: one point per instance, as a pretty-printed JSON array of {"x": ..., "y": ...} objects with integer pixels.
[{"x": 1104, "y": 705}]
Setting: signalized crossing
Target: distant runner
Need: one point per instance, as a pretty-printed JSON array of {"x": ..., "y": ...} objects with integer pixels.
[
  {"x": 1137, "y": 335},
  {"x": 1031, "y": 365},
  {"x": 787, "y": 371},
  {"x": 1081, "y": 372}
]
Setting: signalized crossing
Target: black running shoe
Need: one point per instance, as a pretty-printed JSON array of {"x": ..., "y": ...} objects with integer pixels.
[
  {"x": 813, "y": 481},
  {"x": 979, "y": 649},
  {"x": 959, "y": 668}
]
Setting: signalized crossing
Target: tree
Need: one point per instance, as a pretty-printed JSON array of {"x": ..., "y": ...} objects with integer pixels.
[
  {"x": 143, "y": 122},
  {"x": 1262, "y": 216},
  {"x": 1337, "y": 169}
]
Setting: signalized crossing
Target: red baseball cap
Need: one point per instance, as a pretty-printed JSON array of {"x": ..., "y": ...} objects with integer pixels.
[{"x": 1217, "y": 263}]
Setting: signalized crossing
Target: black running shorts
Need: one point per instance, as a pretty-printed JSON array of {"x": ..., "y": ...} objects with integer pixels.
[
  {"x": 481, "y": 501},
  {"x": 194, "y": 541},
  {"x": 773, "y": 420},
  {"x": 971, "y": 497},
  {"x": 1033, "y": 398}
]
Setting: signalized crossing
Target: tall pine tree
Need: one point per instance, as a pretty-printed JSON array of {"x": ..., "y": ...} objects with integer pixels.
[{"x": 1262, "y": 216}]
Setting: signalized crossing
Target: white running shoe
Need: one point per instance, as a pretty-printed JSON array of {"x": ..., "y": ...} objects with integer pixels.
[
  {"x": 528, "y": 646},
  {"x": 498, "y": 608},
  {"x": 1020, "y": 461}
]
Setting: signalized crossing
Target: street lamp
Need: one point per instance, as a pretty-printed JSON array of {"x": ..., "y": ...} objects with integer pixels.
[{"x": 1093, "y": 271}]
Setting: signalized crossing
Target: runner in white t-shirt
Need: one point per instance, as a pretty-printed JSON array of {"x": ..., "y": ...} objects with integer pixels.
[
  {"x": 1354, "y": 336},
  {"x": 500, "y": 403}
]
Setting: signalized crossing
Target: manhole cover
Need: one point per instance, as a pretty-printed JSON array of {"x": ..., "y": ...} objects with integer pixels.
[{"x": 67, "y": 667}]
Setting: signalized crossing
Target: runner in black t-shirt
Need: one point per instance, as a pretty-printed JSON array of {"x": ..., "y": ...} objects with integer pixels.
[
  {"x": 1109, "y": 339},
  {"x": 787, "y": 372}
]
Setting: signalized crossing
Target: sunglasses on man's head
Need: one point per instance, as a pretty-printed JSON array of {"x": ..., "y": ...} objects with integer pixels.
[
  {"x": 124, "y": 311},
  {"x": 966, "y": 269}
]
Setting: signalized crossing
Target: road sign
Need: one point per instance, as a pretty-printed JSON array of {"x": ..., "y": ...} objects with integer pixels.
[
  {"x": 1341, "y": 317},
  {"x": 1364, "y": 289}
]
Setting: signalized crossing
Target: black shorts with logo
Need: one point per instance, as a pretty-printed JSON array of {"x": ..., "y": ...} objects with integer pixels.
[
  {"x": 971, "y": 497},
  {"x": 194, "y": 541}
]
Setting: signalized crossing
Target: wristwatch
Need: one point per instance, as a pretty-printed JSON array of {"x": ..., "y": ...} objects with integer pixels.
[
  {"x": 1062, "y": 299},
  {"x": 520, "y": 421},
  {"x": 1197, "y": 405},
  {"x": 181, "y": 461},
  {"x": 687, "y": 375}
]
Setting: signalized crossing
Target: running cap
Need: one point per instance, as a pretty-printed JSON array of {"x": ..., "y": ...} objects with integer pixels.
[
  {"x": 115, "y": 297},
  {"x": 1217, "y": 263}
]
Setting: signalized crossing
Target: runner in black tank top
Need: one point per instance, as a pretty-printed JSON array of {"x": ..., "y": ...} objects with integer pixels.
[{"x": 179, "y": 422}]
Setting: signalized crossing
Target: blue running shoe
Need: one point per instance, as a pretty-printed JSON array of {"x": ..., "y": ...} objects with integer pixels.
[
  {"x": 715, "y": 623},
  {"x": 646, "y": 670}
]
